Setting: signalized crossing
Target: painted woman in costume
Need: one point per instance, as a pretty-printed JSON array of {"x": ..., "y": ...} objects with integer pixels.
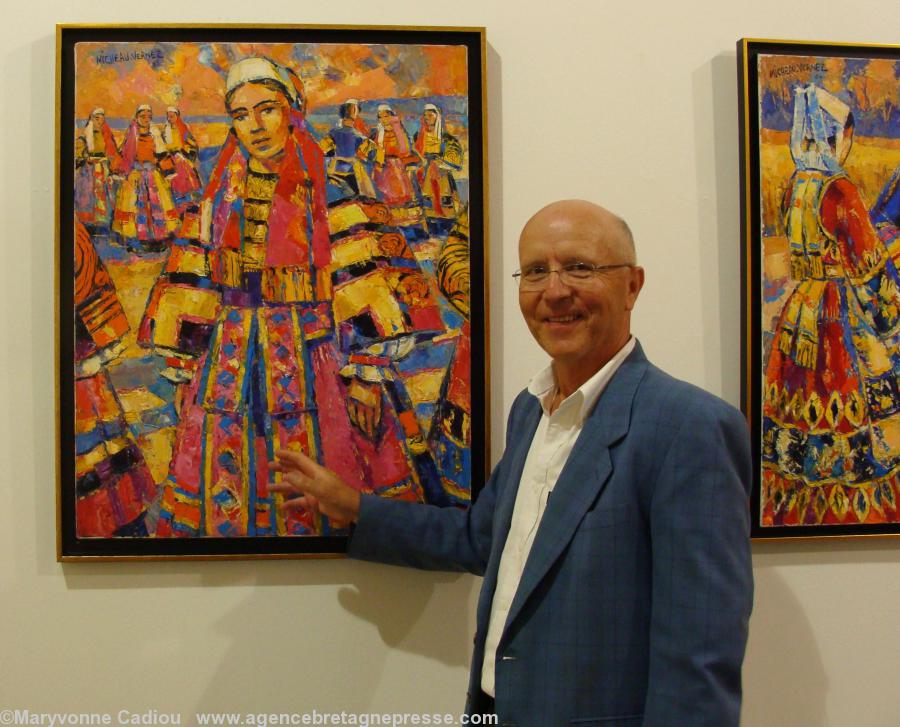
[
  {"x": 831, "y": 413},
  {"x": 97, "y": 159},
  {"x": 347, "y": 150},
  {"x": 354, "y": 112},
  {"x": 183, "y": 302},
  {"x": 181, "y": 151},
  {"x": 113, "y": 485},
  {"x": 271, "y": 378},
  {"x": 394, "y": 159},
  {"x": 145, "y": 215},
  {"x": 443, "y": 156}
]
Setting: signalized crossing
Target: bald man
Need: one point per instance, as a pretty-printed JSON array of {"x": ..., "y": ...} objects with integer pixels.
[{"x": 613, "y": 535}]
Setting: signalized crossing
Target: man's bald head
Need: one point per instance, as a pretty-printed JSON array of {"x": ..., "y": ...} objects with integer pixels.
[
  {"x": 587, "y": 281},
  {"x": 608, "y": 228}
]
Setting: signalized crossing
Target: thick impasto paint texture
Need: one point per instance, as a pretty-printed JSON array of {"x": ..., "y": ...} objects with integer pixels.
[
  {"x": 830, "y": 209},
  {"x": 272, "y": 252}
]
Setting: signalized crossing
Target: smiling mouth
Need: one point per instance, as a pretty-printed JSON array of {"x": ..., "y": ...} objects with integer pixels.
[{"x": 562, "y": 319}]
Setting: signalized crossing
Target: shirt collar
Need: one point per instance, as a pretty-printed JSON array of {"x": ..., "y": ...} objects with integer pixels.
[{"x": 543, "y": 384}]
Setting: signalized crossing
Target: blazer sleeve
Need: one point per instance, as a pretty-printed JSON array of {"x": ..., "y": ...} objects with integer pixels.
[
  {"x": 702, "y": 578},
  {"x": 431, "y": 537}
]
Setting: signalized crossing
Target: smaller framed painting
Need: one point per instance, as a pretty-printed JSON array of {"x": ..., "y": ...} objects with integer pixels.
[
  {"x": 820, "y": 186},
  {"x": 269, "y": 238}
]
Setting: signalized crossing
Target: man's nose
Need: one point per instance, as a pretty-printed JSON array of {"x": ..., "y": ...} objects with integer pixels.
[{"x": 556, "y": 287}]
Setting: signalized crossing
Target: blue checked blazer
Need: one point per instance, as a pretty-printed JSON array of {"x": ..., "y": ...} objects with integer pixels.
[{"x": 635, "y": 600}]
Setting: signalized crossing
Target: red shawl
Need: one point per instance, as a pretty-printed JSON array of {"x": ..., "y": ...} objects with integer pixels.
[
  {"x": 289, "y": 225},
  {"x": 112, "y": 153}
]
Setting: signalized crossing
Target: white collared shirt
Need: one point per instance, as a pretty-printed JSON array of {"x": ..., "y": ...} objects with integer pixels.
[{"x": 550, "y": 448}]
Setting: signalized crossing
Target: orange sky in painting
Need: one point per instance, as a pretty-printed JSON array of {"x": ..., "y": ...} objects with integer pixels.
[{"x": 191, "y": 76}]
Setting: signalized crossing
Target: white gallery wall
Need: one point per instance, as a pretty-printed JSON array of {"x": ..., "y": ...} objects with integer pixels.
[{"x": 631, "y": 104}]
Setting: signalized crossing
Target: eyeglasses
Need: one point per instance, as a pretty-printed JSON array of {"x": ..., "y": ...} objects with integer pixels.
[{"x": 573, "y": 274}]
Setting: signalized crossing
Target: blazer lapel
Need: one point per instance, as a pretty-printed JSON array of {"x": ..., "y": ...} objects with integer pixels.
[
  {"x": 522, "y": 437},
  {"x": 583, "y": 477},
  {"x": 523, "y": 434}
]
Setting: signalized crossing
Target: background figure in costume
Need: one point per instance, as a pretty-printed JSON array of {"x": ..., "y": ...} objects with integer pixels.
[
  {"x": 451, "y": 432},
  {"x": 271, "y": 377},
  {"x": 182, "y": 307},
  {"x": 145, "y": 215},
  {"x": 395, "y": 165},
  {"x": 394, "y": 157},
  {"x": 831, "y": 426},
  {"x": 385, "y": 306},
  {"x": 347, "y": 150},
  {"x": 354, "y": 113},
  {"x": 113, "y": 485},
  {"x": 183, "y": 304},
  {"x": 96, "y": 160},
  {"x": 180, "y": 162},
  {"x": 443, "y": 156}
]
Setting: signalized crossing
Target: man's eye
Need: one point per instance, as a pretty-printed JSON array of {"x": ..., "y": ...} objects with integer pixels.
[
  {"x": 579, "y": 270},
  {"x": 535, "y": 272}
]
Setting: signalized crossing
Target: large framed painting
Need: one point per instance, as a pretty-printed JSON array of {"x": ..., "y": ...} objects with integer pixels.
[
  {"x": 820, "y": 155},
  {"x": 269, "y": 238}
]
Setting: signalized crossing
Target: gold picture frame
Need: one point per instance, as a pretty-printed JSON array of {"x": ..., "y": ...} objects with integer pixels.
[
  {"x": 820, "y": 164},
  {"x": 229, "y": 284}
]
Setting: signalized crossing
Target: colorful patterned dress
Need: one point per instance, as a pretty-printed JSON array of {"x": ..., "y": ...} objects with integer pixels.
[
  {"x": 451, "y": 433},
  {"x": 180, "y": 163},
  {"x": 272, "y": 376},
  {"x": 97, "y": 159},
  {"x": 443, "y": 157},
  {"x": 145, "y": 215},
  {"x": 346, "y": 150},
  {"x": 394, "y": 157},
  {"x": 831, "y": 427},
  {"x": 113, "y": 486}
]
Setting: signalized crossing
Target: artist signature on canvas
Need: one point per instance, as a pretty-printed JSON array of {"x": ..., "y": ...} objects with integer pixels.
[
  {"x": 796, "y": 68},
  {"x": 110, "y": 58}
]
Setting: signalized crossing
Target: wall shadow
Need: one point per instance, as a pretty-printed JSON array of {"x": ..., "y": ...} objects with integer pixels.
[
  {"x": 718, "y": 218},
  {"x": 785, "y": 682},
  {"x": 494, "y": 256},
  {"x": 827, "y": 551},
  {"x": 423, "y": 614},
  {"x": 39, "y": 248}
]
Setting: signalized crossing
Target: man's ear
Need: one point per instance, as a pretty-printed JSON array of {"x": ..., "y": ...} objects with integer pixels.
[{"x": 635, "y": 283}]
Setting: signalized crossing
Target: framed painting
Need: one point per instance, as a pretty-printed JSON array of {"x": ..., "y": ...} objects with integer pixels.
[
  {"x": 268, "y": 238},
  {"x": 820, "y": 157}
]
